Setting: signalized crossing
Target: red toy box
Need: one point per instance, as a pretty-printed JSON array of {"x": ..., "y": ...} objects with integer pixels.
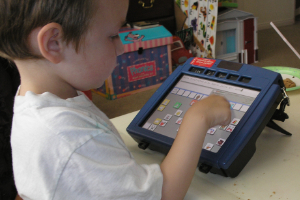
[{"x": 145, "y": 64}]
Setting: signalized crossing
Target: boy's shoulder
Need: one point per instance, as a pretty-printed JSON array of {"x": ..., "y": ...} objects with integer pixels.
[{"x": 71, "y": 120}]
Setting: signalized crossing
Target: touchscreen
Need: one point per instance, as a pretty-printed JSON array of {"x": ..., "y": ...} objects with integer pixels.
[{"x": 167, "y": 117}]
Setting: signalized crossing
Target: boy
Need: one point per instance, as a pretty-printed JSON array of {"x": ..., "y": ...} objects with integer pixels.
[{"x": 63, "y": 146}]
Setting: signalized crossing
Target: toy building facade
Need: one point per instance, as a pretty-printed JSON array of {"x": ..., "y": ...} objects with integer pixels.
[{"x": 236, "y": 38}]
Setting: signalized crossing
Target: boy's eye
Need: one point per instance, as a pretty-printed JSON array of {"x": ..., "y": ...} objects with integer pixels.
[{"x": 114, "y": 36}]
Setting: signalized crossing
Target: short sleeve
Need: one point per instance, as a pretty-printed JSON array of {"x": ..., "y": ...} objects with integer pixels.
[{"x": 103, "y": 169}]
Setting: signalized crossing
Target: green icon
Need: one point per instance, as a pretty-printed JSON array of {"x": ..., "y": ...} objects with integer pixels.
[{"x": 177, "y": 105}]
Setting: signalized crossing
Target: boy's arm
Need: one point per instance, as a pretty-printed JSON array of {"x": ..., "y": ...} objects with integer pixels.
[{"x": 179, "y": 166}]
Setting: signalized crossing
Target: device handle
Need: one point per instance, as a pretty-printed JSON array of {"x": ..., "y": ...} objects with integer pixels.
[{"x": 285, "y": 96}]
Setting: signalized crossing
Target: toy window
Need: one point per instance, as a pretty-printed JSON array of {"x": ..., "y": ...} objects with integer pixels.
[
  {"x": 226, "y": 42},
  {"x": 176, "y": 45}
]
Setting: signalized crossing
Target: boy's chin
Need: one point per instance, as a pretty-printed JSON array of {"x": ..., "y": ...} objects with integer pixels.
[{"x": 100, "y": 85}]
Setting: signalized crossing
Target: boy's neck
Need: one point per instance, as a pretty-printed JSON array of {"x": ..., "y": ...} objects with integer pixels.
[
  {"x": 37, "y": 78},
  {"x": 63, "y": 94}
]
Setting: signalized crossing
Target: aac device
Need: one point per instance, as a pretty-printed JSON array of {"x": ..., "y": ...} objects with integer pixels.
[{"x": 253, "y": 93}]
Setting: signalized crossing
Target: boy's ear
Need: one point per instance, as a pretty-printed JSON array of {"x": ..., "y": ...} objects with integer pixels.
[{"x": 50, "y": 42}]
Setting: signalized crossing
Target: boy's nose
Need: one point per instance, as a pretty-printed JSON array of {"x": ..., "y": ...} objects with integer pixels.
[{"x": 119, "y": 46}]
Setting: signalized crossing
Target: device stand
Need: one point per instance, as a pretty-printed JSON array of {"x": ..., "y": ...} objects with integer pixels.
[{"x": 281, "y": 116}]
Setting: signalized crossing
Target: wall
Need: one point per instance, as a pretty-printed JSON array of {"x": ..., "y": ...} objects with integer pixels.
[{"x": 280, "y": 12}]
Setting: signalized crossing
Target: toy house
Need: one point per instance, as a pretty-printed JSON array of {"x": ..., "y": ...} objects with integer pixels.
[
  {"x": 145, "y": 64},
  {"x": 236, "y": 38}
]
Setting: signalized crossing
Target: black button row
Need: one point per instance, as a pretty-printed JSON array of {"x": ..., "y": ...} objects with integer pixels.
[{"x": 220, "y": 74}]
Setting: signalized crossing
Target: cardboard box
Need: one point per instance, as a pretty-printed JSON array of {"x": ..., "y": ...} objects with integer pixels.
[{"x": 145, "y": 64}]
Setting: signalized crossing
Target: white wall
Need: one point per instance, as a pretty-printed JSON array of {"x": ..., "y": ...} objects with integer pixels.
[{"x": 280, "y": 12}]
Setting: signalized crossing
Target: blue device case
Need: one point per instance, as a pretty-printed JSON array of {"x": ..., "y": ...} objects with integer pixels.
[{"x": 240, "y": 145}]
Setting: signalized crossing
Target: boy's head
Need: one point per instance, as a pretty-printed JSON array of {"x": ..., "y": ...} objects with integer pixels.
[
  {"x": 60, "y": 46},
  {"x": 20, "y": 17}
]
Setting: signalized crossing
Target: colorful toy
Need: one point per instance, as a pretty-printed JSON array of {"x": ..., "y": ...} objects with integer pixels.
[
  {"x": 179, "y": 53},
  {"x": 145, "y": 64},
  {"x": 202, "y": 15}
]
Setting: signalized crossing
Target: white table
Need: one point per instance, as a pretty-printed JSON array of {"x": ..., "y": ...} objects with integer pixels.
[{"x": 272, "y": 173}]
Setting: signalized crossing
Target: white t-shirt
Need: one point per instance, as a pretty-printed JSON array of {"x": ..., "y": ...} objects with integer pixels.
[{"x": 68, "y": 149}]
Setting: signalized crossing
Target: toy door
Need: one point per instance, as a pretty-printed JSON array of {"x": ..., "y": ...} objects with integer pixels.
[{"x": 249, "y": 39}]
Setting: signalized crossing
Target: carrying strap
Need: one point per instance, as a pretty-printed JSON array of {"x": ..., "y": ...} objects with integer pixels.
[{"x": 280, "y": 115}]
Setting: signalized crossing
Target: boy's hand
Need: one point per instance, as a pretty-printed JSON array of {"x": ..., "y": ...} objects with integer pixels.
[
  {"x": 215, "y": 110},
  {"x": 179, "y": 166}
]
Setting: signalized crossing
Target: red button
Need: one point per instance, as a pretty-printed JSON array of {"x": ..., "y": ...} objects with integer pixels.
[{"x": 203, "y": 62}]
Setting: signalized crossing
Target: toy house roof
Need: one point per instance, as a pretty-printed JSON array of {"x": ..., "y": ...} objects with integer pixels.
[{"x": 234, "y": 14}]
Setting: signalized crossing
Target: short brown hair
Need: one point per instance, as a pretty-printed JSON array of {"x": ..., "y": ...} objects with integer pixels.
[{"x": 20, "y": 17}]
